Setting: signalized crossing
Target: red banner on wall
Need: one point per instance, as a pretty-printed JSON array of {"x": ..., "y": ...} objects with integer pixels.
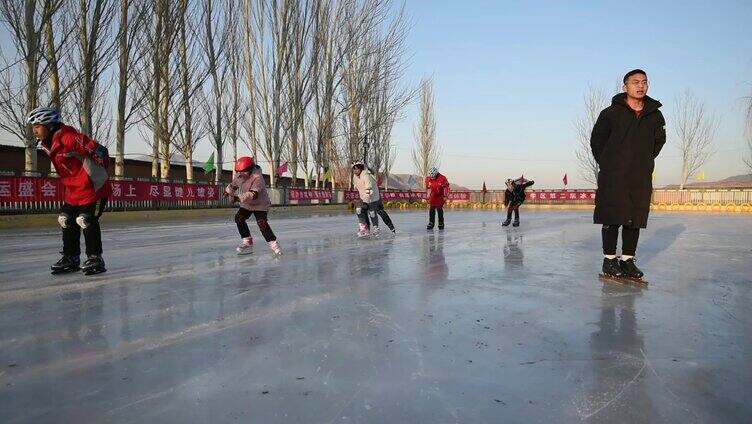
[
  {"x": 303, "y": 194},
  {"x": 35, "y": 189},
  {"x": 141, "y": 190},
  {"x": 561, "y": 195},
  {"x": 409, "y": 195}
]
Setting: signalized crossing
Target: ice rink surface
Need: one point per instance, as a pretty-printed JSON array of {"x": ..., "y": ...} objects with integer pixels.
[{"x": 477, "y": 323}]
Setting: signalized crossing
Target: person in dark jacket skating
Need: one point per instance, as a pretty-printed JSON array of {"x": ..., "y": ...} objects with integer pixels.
[
  {"x": 514, "y": 197},
  {"x": 625, "y": 141}
]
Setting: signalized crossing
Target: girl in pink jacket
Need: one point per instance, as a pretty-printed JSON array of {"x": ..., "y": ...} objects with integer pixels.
[{"x": 249, "y": 190}]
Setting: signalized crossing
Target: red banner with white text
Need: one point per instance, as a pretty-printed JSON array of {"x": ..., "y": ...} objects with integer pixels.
[
  {"x": 36, "y": 189},
  {"x": 303, "y": 194}
]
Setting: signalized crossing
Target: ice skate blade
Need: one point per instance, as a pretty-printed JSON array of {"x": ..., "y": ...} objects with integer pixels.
[
  {"x": 64, "y": 271},
  {"x": 623, "y": 280},
  {"x": 244, "y": 252},
  {"x": 94, "y": 271}
]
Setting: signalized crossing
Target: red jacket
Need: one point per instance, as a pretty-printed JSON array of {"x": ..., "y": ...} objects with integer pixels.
[
  {"x": 84, "y": 180},
  {"x": 438, "y": 190}
]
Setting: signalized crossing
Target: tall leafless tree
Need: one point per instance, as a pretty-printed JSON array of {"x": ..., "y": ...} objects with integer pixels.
[
  {"x": 214, "y": 42},
  {"x": 426, "y": 153},
  {"x": 193, "y": 74},
  {"x": 133, "y": 16},
  {"x": 267, "y": 61},
  {"x": 96, "y": 50},
  {"x": 595, "y": 101},
  {"x": 695, "y": 130},
  {"x": 20, "y": 89}
]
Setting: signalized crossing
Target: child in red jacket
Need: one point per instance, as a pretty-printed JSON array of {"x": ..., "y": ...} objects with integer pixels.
[
  {"x": 82, "y": 165},
  {"x": 437, "y": 187}
]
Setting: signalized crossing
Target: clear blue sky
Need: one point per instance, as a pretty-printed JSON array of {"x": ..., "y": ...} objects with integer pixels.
[{"x": 510, "y": 76}]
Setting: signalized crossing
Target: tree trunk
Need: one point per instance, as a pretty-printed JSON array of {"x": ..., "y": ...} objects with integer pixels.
[
  {"x": 32, "y": 84},
  {"x": 122, "y": 90}
]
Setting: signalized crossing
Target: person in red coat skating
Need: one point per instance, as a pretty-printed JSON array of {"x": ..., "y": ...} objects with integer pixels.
[
  {"x": 437, "y": 187},
  {"x": 82, "y": 165}
]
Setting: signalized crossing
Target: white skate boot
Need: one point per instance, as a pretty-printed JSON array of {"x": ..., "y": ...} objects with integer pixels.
[
  {"x": 275, "y": 248},
  {"x": 246, "y": 246},
  {"x": 363, "y": 231},
  {"x": 375, "y": 231}
]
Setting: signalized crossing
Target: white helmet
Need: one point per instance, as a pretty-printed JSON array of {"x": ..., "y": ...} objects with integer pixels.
[
  {"x": 433, "y": 172},
  {"x": 44, "y": 116}
]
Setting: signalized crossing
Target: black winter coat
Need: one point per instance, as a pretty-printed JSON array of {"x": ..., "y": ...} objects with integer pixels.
[
  {"x": 625, "y": 148},
  {"x": 516, "y": 196}
]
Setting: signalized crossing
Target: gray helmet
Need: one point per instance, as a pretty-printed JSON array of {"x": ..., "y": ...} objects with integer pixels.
[
  {"x": 433, "y": 172},
  {"x": 44, "y": 116}
]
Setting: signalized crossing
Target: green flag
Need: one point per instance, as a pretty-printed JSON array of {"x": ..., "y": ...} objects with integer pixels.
[
  {"x": 327, "y": 175},
  {"x": 209, "y": 165}
]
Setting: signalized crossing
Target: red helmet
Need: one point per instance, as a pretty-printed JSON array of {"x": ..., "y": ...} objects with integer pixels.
[{"x": 244, "y": 163}]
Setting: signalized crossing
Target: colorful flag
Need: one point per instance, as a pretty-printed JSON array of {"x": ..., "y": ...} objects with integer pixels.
[
  {"x": 209, "y": 165},
  {"x": 327, "y": 175},
  {"x": 565, "y": 180},
  {"x": 700, "y": 176},
  {"x": 411, "y": 181},
  {"x": 485, "y": 190},
  {"x": 379, "y": 181},
  {"x": 282, "y": 169}
]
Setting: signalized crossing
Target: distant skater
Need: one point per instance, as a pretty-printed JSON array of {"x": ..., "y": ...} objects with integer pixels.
[
  {"x": 370, "y": 205},
  {"x": 514, "y": 197},
  {"x": 437, "y": 187}
]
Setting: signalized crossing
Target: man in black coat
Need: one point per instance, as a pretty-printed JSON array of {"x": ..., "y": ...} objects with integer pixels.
[{"x": 626, "y": 139}]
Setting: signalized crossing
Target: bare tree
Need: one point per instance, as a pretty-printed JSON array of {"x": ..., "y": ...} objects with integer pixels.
[
  {"x": 20, "y": 89},
  {"x": 159, "y": 111},
  {"x": 233, "y": 102},
  {"x": 426, "y": 153},
  {"x": 748, "y": 158},
  {"x": 267, "y": 62},
  {"x": 132, "y": 50},
  {"x": 595, "y": 101},
  {"x": 95, "y": 51},
  {"x": 329, "y": 48},
  {"x": 695, "y": 129},
  {"x": 214, "y": 43},
  {"x": 193, "y": 74}
]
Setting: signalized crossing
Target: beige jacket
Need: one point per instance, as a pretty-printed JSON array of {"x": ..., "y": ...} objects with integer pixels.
[
  {"x": 243, "y": 187},
  {"x": 367, "y": 187}
]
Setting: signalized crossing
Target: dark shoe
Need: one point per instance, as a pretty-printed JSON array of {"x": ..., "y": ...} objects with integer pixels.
[
  {"x": 612, "y": 268},
  {"x": 629, "y": 269},
  {"x": 94, "y": 265},
  {"x": 441, "y": 226},
  {"x": 66, "y": 264},
  {"x": 429, "y": 226},
  {"x": 516, "y": 223},
  {"x": 506, "y": 223}
]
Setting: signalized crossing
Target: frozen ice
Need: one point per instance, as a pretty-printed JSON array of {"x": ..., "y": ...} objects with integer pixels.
[{"x": 476, "y": 323}]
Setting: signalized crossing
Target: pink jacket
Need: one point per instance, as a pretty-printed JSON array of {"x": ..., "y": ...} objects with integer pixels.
[{"x": 243, "y": 187}]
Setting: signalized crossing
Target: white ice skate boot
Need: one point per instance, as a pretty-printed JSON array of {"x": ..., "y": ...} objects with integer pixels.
[
  {"x": 363, "y": 231},
  {"x": 246, "y": 246},
  {"x": 275, "y": 248},
  {"x": 375, "y": 231}
]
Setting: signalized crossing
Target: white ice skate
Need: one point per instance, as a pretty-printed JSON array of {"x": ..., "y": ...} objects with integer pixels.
[
  {"x": 363, "y": 231},
  {"x": 275, "y": 248},
  {"x": 245, "y": 247},
  {"x": 375, "y": 231}
]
